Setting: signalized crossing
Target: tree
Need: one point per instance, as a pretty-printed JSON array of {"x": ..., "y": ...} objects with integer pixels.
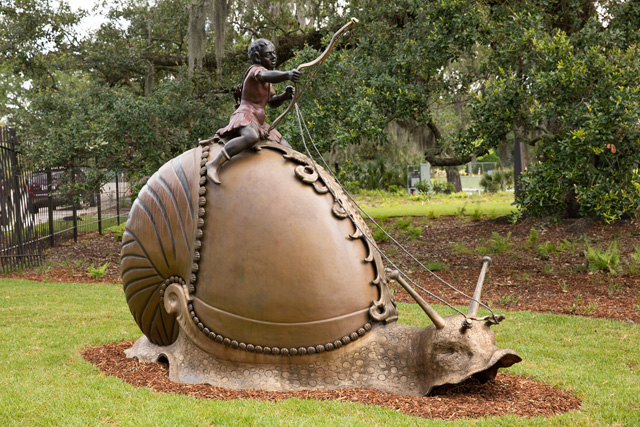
[{"x": 567, "y": 83}]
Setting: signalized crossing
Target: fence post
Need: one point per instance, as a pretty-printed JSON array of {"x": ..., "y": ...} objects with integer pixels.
[
  {"x": 74, "y": 210},
  {"x": 52, "y": 240},
  {"x": 99, "y": 205},
  {"x": 117, "y": 199},
  {"x": 16, "y": 196}
]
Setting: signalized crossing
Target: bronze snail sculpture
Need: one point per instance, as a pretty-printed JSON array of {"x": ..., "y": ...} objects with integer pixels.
[{"x": 272, "y": 281}]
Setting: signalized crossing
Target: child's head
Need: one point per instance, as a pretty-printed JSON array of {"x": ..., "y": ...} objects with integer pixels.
[{"x": 262, "y": 51}]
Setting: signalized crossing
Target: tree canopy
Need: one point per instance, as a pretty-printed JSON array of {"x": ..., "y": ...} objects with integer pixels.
[{"x": 561, "y": 76}]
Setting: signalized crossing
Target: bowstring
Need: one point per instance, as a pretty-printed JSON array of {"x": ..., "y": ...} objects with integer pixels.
[{"x": 302, "y": 124}]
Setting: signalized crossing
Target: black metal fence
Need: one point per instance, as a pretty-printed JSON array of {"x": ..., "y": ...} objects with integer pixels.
[{"x": 38, "y": 211}]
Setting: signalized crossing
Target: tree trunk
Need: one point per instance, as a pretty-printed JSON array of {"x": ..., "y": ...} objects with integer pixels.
[
  {"x": 219, "y": 19},
  {"x": 453, "y": 176},
  {"x": 572, "y": 208},
  {"x": 148, "y": 81},
  {"x": 197, "y": 35}
]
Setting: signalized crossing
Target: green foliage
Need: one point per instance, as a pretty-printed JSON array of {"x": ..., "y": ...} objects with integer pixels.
[
  {"x": 413, "y": 232},
  {"x": 88, "y": 124},
  {"x": 547, "y": 248},
  {"x": 424, "y": 187},
  {"x": 509, "y": 299},
  {"x": 381, "y": 235},
  {"x": 476, "y": 215},
  {"x": 497, "y": 181},
  {"x": 568, "y": 246},
  {"x": 497, "y": 244},
  {"x": 98, "y": 272},
  {"x": 461, "y": 248},
  {"x": 442, "y": 187},
  {"x": 634, "y": 262},
  {"x": 402, "y": 223},
  {"x": 607, "y": 260},
  {"x": 533, "y": 237},
  {"x": 436, "y": 265},
  {"x": 118, "y": 231},
  {"x": 461, "y": 211}
]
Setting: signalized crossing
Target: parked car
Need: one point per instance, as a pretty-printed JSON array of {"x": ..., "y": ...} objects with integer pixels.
[{"x": 38, "y": 194}]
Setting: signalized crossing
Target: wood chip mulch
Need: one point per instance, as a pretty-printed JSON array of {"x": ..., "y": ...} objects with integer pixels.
[{"x": 507, "y": 394}]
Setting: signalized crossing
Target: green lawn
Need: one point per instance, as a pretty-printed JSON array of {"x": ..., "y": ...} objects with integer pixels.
[
  {"x": 379, "y": 204},
  {"x": 44, "y": 380}
]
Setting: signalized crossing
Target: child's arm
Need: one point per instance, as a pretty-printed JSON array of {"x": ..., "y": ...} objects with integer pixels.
[
  {"x": 277, "y": 100},
  {"x": 275, "y": 76}
]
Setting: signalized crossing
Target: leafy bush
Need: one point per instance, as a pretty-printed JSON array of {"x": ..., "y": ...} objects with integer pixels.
[
  {"x": 437, "y": 266},
  {"x": 607, "y": 260},
  {"x": 634, "y": 262},
  {"x": 533, "y": 237},
  {"x": 424, "y": 186},
  {"x": 413, "y": 232},
  {"x": 402, "y": 223},
  {"x": 497, "y": 181},
  {"x": 495, "y": 245},
  {"x": 380, "y": 236},
  {"x": 118, "y": 231},
  {"x": 443, "y": 187},
  {"x": 546, "y": 249},
  {"x": 99, "y": 272}
]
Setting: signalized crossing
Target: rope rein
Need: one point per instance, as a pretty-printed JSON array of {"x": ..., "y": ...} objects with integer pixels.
[{"x": 303, "y": 127}]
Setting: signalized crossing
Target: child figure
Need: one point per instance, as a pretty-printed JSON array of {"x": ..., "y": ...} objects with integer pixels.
[{"x": 247, "y": 126}]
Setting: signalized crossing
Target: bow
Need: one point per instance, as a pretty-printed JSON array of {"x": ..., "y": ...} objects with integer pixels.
[{"x": 320, "y": 59}]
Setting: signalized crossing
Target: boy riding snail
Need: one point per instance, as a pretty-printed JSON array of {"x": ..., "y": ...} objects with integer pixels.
[{"x": 247, "y": 124}]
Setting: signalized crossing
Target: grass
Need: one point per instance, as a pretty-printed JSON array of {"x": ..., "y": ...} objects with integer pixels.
[
  {"x": 44, "y": 380},
  {"x": 380, "y": 204}
]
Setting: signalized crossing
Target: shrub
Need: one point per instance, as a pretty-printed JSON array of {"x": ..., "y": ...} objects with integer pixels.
[
  {"x": 495, "y": 245},
  {"x": 634, "y": 262},
  {"x": 443, "y": 187},
  {"x": 546, "y": 249},
  {"x": 413, "y": 232},
  {"x": 380, "y": 236},
  {"x": 533, "y": 237},
  {"x": 118, "y": 231},
  {"x": 600, "y": 260},
  {"x": 437, "y": 266},
  {"x": 402, "y": 223},
  {"x": 99, "y": 272},
  {"x": 497, "y": 181}
]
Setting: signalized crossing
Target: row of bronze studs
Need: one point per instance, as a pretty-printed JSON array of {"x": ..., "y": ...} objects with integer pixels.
[{"x": 276, "y": 351}]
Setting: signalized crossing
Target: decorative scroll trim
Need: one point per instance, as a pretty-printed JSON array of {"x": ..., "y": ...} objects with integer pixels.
[{"x": 383, "y": 309}]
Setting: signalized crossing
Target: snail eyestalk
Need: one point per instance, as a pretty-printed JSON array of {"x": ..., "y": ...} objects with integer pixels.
[
  {"x": 433, "y": 315},
  {"x": 475, "y": 302}
]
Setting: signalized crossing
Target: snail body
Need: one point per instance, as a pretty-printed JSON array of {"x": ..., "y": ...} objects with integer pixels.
[{"x": 275, "y": 273}]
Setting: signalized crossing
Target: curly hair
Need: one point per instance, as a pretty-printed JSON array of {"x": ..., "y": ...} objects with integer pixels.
[{"x": 256, "y": 47}]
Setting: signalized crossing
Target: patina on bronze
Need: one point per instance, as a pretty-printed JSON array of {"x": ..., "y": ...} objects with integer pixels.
[{"x": 273, "y": 281}]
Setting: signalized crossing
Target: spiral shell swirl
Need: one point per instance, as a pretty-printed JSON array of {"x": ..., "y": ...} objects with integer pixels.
[{"x": 158, "y": 243}]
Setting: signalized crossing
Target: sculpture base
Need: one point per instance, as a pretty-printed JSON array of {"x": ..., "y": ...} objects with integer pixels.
[{"x": 376, "y": 361}]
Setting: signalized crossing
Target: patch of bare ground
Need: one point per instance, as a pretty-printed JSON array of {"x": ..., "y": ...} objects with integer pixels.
[{"x": 507, "y": 394}]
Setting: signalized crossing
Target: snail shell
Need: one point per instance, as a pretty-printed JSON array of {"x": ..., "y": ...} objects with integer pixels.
[{"x": 274, "y": 259}]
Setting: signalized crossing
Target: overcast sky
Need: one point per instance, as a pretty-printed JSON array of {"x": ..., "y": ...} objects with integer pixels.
[{"x": 92, "y": 21}]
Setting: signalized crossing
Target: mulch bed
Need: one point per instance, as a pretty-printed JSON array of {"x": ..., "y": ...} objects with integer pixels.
[{"x": 507, "y": 394}]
